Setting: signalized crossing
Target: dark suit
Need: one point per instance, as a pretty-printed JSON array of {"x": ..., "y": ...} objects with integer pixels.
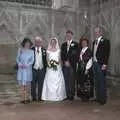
[
  {"x": 38, "y": 76},
  {"x": 69, "y": 72},
  {"x": 102, "y": 55}
]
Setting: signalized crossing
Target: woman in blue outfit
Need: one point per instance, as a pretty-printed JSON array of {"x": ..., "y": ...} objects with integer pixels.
[{"x": 25, "y": 60}]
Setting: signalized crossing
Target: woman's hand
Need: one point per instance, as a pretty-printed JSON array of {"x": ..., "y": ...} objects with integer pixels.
[
  {"x": 24, "y": 66},
  {"x": 20, "y": 66}
]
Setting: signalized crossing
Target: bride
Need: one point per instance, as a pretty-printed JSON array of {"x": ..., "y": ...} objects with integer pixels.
[{"x": 54, "y": 85}]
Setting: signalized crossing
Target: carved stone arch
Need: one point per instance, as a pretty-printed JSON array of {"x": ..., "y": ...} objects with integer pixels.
[
  {"x": 64, "y": 26},
  {"x": 68, "y": 21},
  {"x": 35, "y": 21},
  {"x": 36, "y": 28},
  {"x": 7, "y": 29}
]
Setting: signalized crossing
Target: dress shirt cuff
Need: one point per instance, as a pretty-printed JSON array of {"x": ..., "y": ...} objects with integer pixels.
[{"x": 104, "y": 65}]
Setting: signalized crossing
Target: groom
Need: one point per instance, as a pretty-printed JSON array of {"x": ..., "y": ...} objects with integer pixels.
[
  {"x": 68, "y": 56},
  {"x": 39, "y": 68}
]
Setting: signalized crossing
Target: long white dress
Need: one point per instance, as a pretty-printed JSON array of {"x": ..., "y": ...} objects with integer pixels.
[{"x": 54, "y": 84}]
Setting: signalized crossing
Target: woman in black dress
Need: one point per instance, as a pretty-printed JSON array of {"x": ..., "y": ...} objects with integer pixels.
[{"x": 84, "y": 71}]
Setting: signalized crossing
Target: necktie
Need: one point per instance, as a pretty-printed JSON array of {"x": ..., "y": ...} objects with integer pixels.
[
  {"x": 38, "y": 50},
  {"x": 68, "y": 45}
]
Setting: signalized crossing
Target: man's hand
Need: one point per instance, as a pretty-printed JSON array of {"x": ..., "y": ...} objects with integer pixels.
[
  {"x": 104, "y": 67},
  {"x": 86, "y": 72},
  {"x": 67, "y": 64}
]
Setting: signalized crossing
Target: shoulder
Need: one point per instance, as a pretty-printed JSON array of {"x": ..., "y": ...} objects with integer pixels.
[
  {"x": 58, "y": 50},
  {"x": 48, "y": 51},
  {"x": 31, "y": 51},
  {"x": 43, "y": 50},
  {"x": 104, "y": 40},
  {"x": 88, "y": 50},
  {"x": 75, "y": 43},
  {"x": 63, "y": 44}
]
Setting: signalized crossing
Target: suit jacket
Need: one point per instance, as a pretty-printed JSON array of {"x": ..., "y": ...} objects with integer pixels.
[
  {"x": 44, "y": 60},
  {"x": 71, "y": 55},
  {"x": 103, "y": 51}
]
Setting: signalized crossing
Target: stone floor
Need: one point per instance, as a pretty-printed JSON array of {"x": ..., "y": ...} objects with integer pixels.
[
  {"x": 60, "y": 111},
  {"x": 10, "y": 109},
  {"x": 9, "y": 89}
]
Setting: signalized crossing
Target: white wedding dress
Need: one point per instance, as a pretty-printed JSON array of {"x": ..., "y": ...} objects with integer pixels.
[{"x": 54, "y": 84}]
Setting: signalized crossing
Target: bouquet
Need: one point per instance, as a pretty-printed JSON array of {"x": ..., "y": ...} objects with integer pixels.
[{"x": 53, "y": 64}]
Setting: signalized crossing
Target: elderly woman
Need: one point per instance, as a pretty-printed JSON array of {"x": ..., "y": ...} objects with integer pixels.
[
  {"x": 25, "y": 59},
  {"x": 84, "y": 71}
]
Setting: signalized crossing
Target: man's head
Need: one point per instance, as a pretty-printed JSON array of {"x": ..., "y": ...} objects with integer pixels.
[
  {"x": 69, "y": 35},
  {"x": 38, "y": 41},
  {"x": 98, "y": 32}
]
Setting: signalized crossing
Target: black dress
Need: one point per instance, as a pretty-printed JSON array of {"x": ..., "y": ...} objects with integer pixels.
[{"x": 85, "y": 82}]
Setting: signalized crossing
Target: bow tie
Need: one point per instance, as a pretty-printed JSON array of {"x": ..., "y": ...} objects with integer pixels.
[
  {"x": 38, "y": 50},
  {"x": 96, "y": 41}
]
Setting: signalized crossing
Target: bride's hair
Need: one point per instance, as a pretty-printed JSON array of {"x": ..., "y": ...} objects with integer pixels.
[{"x": 57, "y": 47}]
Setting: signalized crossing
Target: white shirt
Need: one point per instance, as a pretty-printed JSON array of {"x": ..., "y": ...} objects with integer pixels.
[
  {"x": 95, "y": 49},
  {"x": 68, "y": 45},
  {"x": 38, "y": 59},
  {"x": 89, "y": 63}
]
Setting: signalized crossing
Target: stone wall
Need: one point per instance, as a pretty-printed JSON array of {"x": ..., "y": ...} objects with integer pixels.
[
  {"x": 18, "y": 21},
  {"x": 107, "y": 16}
]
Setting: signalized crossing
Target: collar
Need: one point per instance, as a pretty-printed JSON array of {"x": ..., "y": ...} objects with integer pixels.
[
  {"x": 99, "y": 38},
  {"x": 84, "y": 49},
  {"x": 36, "y": 48},
  {"x": 70, "y": 41}
]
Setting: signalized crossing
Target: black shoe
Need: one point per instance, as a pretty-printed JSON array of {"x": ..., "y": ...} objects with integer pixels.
[
  {"x": 102, "y": 102},
  {"x": 66, "y": 98},
  {"x": 71, "y": 98},
  {"x": 27, "y": 101},
  {"x": 94, "y": 100},
  {"x": 85, "y": 99},
  {"x": 34, "y": 100},
  {"x": 23, "y": 101},
  {"x": 39, "y": 100}
]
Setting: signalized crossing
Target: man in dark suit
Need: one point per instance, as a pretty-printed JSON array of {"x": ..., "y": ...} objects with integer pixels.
[
  {"x": 101, "y": 52},
  {"x": 39, "y": 68},
  {"x": 69, "y": 58}
]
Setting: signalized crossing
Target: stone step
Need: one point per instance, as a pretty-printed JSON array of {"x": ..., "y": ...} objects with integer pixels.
[{"x": 9, "y": 89}]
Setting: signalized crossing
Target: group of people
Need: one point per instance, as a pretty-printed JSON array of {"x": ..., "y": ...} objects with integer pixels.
[{"x": 57, "y": 73}]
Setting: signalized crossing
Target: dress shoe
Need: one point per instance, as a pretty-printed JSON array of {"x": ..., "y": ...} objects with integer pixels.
[
  {"x": 39, "y": 100},
  {"x": 34, "y": 100},
  {"x": 102, "y": 102},
  {"x": 71, "y": 98}
]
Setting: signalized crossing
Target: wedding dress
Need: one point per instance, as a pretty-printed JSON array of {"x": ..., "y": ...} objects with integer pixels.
[{"x": 54, "y": 84}]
